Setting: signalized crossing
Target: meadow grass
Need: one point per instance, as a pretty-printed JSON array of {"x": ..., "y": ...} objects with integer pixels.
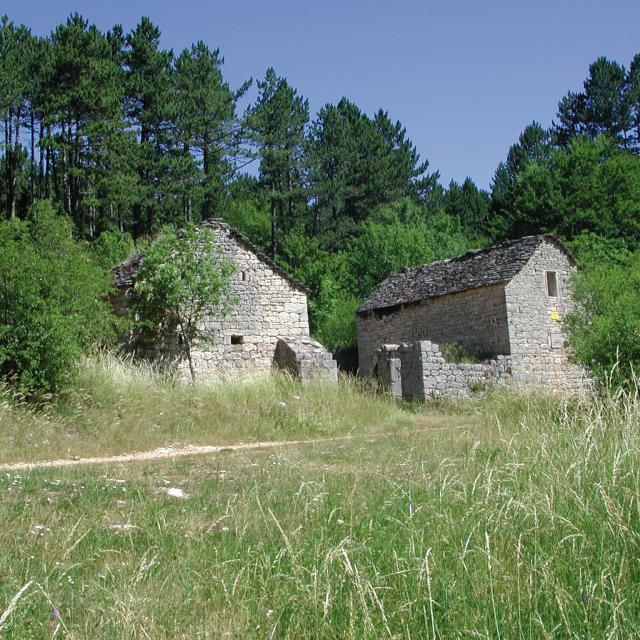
[
  {"x": 116, "y": 407},
  {"x": 522, "y": 520}
]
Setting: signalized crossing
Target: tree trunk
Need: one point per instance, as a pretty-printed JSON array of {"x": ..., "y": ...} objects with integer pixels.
[
  {"x": 41, "y": 157},
  {"x": 206, "y": 167},
  {"x": 33, "y": 156},
  {"x": 187, "y": 348},
  {"x": 47, "y": 165},
  {"x": 9, "y": 180},
  {"x": 274, "y": 240}
]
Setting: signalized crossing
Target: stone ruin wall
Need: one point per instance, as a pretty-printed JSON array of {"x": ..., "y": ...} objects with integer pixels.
[
  {"x": 476, "y": 318},
  {"x": 534, "y": 356},
  {"x": 419, "y": 371},
  {"x": 267, "y": 308},
  {"x": 540, "y": 357},
  {"x": 306, "y": 359}
]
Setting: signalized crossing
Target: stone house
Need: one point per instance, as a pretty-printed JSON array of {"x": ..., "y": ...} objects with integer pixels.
[
  {"x": 506, "y": 302},
  {"x": 268, "y": 325}
]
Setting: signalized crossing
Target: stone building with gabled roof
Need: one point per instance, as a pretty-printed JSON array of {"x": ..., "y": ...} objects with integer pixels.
[
  {"x": 506, "y": 302},
  {"x": 268, "y": 324}
]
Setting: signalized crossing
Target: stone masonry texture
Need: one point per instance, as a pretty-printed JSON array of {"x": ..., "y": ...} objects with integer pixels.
[
  {"x": 269, "y": 305},
  {"x": 512, "y": 319},
  {"x": 424, "y": 373}
]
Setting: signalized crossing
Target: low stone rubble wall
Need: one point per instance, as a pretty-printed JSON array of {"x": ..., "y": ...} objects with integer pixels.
[
  {"x": 388, "y": 368},
  {"x": 418, "y": 371},
  {"x": 306, "y": 359}
]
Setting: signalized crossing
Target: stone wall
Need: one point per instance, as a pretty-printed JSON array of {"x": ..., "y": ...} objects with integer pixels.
[
  {"x": 388, "y": 369},
  {"x": 424, "y": 373},
  {"x": 538, "y": 349},
  {"x": 268, "y": 306},
  {"x": 305, "y": 359},
  {"x": 476, "y": 318}
]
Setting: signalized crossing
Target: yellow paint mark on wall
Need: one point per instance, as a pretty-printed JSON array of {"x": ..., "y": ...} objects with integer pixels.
[{"x": 554, "y": 315}]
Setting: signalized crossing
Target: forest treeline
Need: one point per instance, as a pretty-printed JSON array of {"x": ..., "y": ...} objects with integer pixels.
[{"x": 124, "y": 137}]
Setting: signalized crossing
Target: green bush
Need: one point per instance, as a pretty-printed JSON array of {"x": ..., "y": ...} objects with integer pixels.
[
  {"x": 112, "y": 247},
  {"x": 336, "y": 323},
  {"x": 182, "y": 279},
  {"x": 605, "y": 330},
  {"x": 401, "y": 236},
  {"x": 53, "y": 304}
]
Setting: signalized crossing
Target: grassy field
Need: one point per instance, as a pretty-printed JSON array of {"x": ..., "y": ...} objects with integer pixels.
[
  {"x": 508, "y": 517},
  {"x": 116, "y": 408}
]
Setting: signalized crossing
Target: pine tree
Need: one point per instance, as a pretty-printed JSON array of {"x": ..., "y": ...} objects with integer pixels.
[
  {"x": 357, "y": 164},
  {"x": 14, "y": 56},
  {"x": 469, "y": 206},
  {"x": 86, "y": 113},
  {"x": 601, "y": 108},
  {"x": 206, "y": 126},
  {"x": 148, "y": 84},
  {"x": 534, "y": 145},
  {"x": 277, "y": 123}
]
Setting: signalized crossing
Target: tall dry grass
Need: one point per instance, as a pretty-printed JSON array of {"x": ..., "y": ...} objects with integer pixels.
[{"x": 118, "y": 406}]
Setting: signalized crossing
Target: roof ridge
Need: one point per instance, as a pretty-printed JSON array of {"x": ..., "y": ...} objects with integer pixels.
[
  {"x": 124, "y": 279},
  {"x": 473, "y": 269}
]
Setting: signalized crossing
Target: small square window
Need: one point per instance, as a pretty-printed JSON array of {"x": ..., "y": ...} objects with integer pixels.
[
  {"x": 552, "y": 284},
  {"x": 237, "y": 339}
]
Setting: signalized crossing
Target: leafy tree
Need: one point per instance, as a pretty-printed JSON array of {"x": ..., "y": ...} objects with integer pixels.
[
  {"x": 589, "y": 186},
  {"x": 53, "y": 305},
  {"x": 277, "y": 124},
  {"x": 112, "y": 247},
  {"x": 335, "y": 316},
  {"x": 590, "y": 249},
  {"x": 388, "y": 244},
  {"x": 604, "y": 332},
  {"x": 248, "y": 210},
  {"x": 182, "y": 279},
  {"x": 332, "y": 285}
]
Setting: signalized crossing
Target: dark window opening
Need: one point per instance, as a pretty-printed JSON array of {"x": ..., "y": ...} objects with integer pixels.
[
  {"x": 552, "y": 284},
  {"x": 237, "y": 339},
  {"x": 243, "y": 276}
]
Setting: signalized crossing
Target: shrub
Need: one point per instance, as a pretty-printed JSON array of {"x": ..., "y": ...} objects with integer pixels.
[
  {"x": 183, "y": 278},
  {"x": 112, "y": 247},
  {"x": 605, "y": 330},
  {"x": 53, "y": 304}
]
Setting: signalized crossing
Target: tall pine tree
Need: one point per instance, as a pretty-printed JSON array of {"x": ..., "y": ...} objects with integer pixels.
[{"x": 277, "y": 124}]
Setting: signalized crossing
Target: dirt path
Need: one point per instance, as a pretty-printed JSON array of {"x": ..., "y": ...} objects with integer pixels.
[{"x": 179, "y": 451}]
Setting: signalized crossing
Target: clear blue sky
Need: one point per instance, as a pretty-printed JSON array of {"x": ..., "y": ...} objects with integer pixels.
[{"x": 464, "y": 77}]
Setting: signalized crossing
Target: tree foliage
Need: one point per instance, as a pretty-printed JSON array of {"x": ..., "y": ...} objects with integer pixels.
[
  {"x": 591, "y": 186},
  {"x": 355, "y": 165},
  {"x": 401, "y": 235},
  {"x": 605, "y": 330},
  {"x": 606, "y": 106},
  {"x": 277, "y": 124},
  {"x": 53, "y": 300},
  {"x": 182, "y": 279}
]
